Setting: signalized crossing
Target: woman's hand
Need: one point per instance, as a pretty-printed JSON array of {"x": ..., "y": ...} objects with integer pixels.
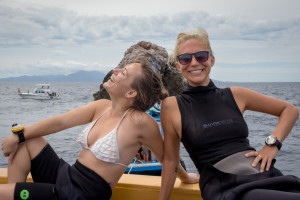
[
  {"x": 190, "y": 178},
  {"x": 9, "y": 146},
  {"x": 265, "y": 156}
]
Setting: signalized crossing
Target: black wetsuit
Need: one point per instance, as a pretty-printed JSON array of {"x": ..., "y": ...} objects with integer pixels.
[
  {"x": 212, "y": 129},
  {"x": 54, "y": 179}
]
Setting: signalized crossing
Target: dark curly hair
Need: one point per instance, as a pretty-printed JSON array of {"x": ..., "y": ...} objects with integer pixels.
[{"x": 149, "y": 87}]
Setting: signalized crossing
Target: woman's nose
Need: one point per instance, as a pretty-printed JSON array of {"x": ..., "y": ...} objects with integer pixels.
[
  {"x": 116, "y": 71},
  {"x": 194, "y": 61}
]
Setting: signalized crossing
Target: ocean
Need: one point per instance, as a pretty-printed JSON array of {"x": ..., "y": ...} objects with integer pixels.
[{"x": 13, "y": 109}]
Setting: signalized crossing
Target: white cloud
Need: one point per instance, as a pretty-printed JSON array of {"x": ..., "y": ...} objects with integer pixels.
[{"x": 33, "y": 32}]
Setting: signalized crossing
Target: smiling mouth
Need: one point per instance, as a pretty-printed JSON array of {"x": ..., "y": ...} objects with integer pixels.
[
  {"x": 111, "y": 79},
  {"x": 196, "y": 71}
]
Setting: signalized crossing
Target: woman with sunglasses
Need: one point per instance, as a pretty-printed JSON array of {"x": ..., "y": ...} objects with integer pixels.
[
  {"x": 116, "y": 131},
  {"x": 209, "y": 122}
]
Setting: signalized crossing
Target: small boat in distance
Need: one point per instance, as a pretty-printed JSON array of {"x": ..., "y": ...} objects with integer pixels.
[{"x": 41, "y": 92}]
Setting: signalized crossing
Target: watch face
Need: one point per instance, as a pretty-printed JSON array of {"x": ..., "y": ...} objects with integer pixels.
[
  {"x": 18, "y": 126},
  {"x": 270, "y": 140}
]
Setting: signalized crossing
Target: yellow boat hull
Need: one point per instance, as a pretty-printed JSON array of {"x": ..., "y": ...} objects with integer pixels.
[{"x": 136, "y": 187}]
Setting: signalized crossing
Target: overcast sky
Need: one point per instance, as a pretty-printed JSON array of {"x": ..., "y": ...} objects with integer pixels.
[{"x": 255, "y": 40}]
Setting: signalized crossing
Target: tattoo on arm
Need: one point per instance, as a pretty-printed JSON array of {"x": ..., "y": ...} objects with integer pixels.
[{"x": 176, "y": 169}]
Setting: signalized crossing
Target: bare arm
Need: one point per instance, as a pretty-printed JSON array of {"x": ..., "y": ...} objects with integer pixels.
[
  {"x": 151, "y": 137},
  {"x": 51, "y": 125},
  {"x": 169, "y": 118},
  {"x": 287, "y": 113}
]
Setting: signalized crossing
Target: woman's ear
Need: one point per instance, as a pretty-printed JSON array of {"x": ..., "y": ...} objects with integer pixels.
[
  {"x": 131, "y": 94},
  {"x": 212, "y": 61}
]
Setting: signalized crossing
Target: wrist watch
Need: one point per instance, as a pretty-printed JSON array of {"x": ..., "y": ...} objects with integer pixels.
[
  {"x": 18, "y": 129},
  {"x": 273, "y": 141}
]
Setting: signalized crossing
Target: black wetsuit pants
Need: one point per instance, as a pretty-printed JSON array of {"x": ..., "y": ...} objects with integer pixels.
[
  {"x": 217, "y": 185},
  {"x": 54, "y": 179}
]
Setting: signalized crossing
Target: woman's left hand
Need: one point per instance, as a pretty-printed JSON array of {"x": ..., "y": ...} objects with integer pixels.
[
  {"x": 191, "y": 178},
  {"x": 9, "y": 146},
  {"x": 265, "y": 156}
]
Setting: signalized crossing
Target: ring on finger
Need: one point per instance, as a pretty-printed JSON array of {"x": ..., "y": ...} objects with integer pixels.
[{"x": 259, "y": 156}]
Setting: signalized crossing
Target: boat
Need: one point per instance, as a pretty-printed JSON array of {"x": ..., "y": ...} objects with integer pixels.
[
  {"x": 152, "y": 167},
  {"x": 136, "y": 187},
  {"x": 41, "y": 92}
]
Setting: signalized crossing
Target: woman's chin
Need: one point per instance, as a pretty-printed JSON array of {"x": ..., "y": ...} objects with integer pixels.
[{"x": 107, "y": 84}]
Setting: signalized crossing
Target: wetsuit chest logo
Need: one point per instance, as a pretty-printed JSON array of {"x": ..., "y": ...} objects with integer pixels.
[{"x": 217, "y": 123}]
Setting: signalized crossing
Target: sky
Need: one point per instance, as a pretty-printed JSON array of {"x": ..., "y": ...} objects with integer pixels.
[{"x": 252, "y": 40}]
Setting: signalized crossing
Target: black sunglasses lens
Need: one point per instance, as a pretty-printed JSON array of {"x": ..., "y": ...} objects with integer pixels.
[
  {"x": 202, "y": 56},
  {"x": 185, "y": 59}
]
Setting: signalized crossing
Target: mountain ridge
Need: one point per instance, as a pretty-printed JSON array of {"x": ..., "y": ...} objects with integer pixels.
[{"x": 79, "y": 76}]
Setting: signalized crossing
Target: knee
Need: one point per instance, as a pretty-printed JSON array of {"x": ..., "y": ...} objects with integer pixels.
[{"x": 35, "y": 146}]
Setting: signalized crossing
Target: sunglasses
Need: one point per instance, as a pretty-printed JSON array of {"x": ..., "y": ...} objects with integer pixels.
[{"x": 185, "y": 59}]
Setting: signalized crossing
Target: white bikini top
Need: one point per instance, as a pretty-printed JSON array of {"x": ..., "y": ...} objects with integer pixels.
[{"x": 105, "y": 148}]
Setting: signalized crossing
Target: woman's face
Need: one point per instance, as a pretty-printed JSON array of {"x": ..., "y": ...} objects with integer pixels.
[
  {"x": 197, "y": 73},
  {"x": 121, "y": 79}
]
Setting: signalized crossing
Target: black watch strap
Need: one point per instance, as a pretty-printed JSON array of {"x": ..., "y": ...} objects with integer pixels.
[
  {"x": 278, "y": 144},
  {"x": 21, "y": 137}
]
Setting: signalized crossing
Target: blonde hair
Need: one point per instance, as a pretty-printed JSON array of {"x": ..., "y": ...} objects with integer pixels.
[{"x": 198, "y": 34}]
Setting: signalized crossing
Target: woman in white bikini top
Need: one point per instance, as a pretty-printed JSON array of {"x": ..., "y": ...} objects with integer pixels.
[
  {"x": 117, "y": 129},
  {"x": 105, "y": 148}
]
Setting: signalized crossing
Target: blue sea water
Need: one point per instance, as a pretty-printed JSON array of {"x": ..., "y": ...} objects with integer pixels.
[{"x": 13, "y": 109}]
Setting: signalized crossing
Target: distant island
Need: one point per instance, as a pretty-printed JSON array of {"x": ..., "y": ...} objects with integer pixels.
[{"x": 80, "y": 76}]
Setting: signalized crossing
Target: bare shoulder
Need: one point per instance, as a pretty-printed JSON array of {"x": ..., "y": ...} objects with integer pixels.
[
  {"x": 103, "y": 102},
  {"x": 245, "y": 94},
  {"x": 170, "y": 117},
  {"x": 169, "y": 103},
  {"x": 140, "y": 125},
  {"x": 101, "y": 106},
  {"x": 140, "y": 119},
  {"x": 239, "y": 90},
  {"x": 251, "y": 100}
]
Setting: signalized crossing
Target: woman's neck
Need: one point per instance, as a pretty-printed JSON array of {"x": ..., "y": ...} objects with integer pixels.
[{"x": 119, "y": 107}]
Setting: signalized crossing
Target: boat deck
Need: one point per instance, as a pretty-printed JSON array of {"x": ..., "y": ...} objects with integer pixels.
[{"x": 133, "y": 187}]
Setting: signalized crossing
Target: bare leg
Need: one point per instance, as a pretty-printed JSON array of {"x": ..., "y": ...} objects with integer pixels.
[
  {"x": 20, "y": 167},
  {"x": 7, "y": 191}
]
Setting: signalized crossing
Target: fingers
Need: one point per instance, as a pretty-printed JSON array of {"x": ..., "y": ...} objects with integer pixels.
[
  {"x": 193, "y": 178},
  {"x": 10, "y": 158},
  {"x": 265, "y": 163},
  {"x": 3, "y": 150},
  {"x": 196, "y": 178},
  {"x": 257, "y": 159},
  {"x": 251, "y": 154},
  {"x": 262, "y": 164},
  {"x": 269, "y": 163}
]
